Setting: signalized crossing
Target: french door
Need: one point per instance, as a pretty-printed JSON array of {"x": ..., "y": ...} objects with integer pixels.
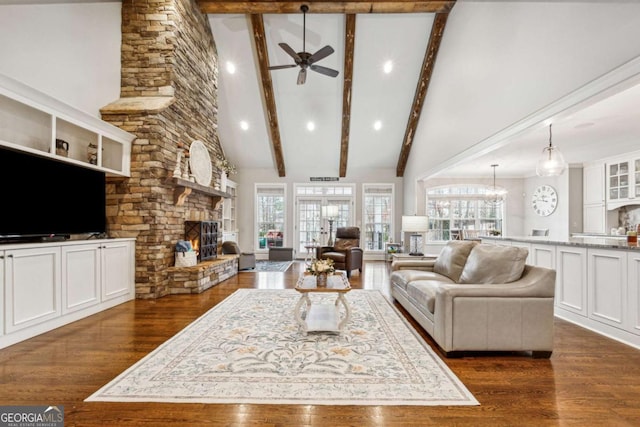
[{"x": 312, "y": 227}]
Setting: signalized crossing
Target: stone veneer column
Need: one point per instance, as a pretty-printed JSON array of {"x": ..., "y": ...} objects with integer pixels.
[{"x": 168, "y": 95}]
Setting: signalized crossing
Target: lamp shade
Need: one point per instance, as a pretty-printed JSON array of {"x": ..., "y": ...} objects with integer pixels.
[
  {"x": 415, "y": 223},
  {"x": 330, "y": 211}
]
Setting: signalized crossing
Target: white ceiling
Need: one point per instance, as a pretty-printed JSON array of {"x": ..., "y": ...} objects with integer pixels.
[{"x": 601, "y": 129}]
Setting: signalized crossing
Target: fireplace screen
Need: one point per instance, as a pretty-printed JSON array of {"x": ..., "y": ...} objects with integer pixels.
[{"x": 203, "y": 236}]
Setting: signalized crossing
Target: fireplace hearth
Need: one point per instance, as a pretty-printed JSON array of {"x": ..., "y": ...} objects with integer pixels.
[{"x": 203, "y": 236}]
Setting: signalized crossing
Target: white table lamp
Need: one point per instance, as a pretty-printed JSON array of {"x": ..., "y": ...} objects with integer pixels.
[{"x": 416, "y": 224}]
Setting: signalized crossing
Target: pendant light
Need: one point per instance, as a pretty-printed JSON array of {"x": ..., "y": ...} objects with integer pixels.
[
  {"x": 552, "y": 162},
  {"x": 495, "y": 195}
]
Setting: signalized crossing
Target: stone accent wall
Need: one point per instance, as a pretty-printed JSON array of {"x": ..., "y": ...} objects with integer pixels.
[
  {"x": 168, "y": 95},
  {"x": 199, "y": 278}
]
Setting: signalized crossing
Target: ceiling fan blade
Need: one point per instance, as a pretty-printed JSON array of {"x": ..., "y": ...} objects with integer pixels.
[
  {"x": 302, "y": 76},
  {"x": 280, "y": 67},
  {"x": 324, "y": 70},
  {"x": 292, "y": 53},
  {"x": 322, "y": 53}
]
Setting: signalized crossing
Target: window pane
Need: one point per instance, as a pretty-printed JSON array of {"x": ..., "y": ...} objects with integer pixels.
[
  {"x": 378, "y": 211},
  {"x": 270, "y": 217}
]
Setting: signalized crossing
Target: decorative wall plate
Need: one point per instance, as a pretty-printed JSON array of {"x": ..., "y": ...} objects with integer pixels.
[{"x": 200, "y": 163}]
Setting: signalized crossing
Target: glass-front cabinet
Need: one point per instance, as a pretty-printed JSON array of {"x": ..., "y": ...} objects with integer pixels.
[{"x": 623, "y": 181}]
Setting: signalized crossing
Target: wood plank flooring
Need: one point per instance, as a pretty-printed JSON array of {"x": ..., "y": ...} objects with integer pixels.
[{"x": 589, "y": 380}]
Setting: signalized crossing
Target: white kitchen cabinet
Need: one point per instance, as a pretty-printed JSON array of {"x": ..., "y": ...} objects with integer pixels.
[
  {"x": 48, "y": 285},
  {"x": 32, "y": 286},
  {"x": 623, "y": 180},
  {"x": 594, "y": 199},
  {"x": 33, "y": 122},
  {"x": 607, "y": 286},
  {"x": 571, "y": 279},
  {"x": 543, "y": 256},
  {"x": 633, "y": 282}
]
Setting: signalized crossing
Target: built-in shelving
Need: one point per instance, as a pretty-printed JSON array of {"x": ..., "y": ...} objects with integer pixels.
[{"x": 31, "y": 121}]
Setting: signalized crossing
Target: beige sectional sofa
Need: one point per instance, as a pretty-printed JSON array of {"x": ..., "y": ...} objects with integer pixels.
[{"x": 479, "y": 297}]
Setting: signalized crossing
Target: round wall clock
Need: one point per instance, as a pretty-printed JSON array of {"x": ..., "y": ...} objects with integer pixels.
[{"x": 544, "y": 200}]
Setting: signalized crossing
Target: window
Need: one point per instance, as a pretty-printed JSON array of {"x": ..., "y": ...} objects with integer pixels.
[
  {"x": 377, "y": 215},
  {"x": 311, "y": 225},
  {"x": 453, "y": 209},
  {"x": 270, "y": 215}
]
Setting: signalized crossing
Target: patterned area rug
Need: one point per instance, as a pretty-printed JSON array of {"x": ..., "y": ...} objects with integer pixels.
[
  {"x": 264, "y": 265},
  {"x": 248, "y": 349}
]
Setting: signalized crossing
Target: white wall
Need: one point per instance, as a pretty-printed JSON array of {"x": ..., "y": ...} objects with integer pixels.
[
  {"x": 545, "y": 50},
  {"x": 68, "y": 51},
  {"x": 248, "y": 178}
]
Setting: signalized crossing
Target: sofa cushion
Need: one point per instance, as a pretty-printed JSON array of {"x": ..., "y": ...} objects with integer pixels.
[
  {"x": 453, "y": 257},
  {"x": 403, "y": 277},
  {"x": 424, "y": 293},
  {"x": 493, "y": 264}
]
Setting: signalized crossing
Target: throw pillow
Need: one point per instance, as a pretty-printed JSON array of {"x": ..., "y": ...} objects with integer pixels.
[
  {"x": 493, "y": 264},
  {"x": 345, "y": 244},
  {"x": 453, "y": 257}
]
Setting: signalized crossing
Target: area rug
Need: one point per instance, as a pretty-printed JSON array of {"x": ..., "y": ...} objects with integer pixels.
[
  {"x": 248, "y": 349},
  {"x": 264, "y": 265}
]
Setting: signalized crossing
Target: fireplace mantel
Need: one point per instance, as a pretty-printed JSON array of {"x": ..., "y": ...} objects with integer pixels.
[{"x": 185, "y": 187}]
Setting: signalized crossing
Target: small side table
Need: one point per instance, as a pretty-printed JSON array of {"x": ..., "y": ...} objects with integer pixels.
[
  {"x": 311, "y": 252},
  {"x": 322, "y": 317},
  {"x": 390, "y": 249}
]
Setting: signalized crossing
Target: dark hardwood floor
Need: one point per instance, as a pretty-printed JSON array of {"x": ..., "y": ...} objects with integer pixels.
[{"x": 588, "y": 381}]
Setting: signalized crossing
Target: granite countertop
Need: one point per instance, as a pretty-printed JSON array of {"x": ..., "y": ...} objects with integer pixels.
[{"x": 604, "y": 242}]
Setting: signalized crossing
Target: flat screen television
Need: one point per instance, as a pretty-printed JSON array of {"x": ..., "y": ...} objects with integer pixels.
[{"x": 46, "y": 198}]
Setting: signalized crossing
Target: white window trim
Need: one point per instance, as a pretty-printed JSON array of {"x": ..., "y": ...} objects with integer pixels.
[
  {"x": 363, "y": 213},
  {"x": 256, "y": 187}
]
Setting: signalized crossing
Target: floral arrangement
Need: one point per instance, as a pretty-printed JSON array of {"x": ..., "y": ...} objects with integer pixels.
[
  {"x": 226, "y": 166},
  {"x": 319, "y": 266}
]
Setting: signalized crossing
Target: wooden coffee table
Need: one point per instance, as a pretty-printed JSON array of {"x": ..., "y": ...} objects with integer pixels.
[{"x": 322, "y": 317}]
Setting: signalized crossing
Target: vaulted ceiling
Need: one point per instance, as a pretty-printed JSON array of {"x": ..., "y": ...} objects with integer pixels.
[
  {"x": 500, "y": 63},
  {"x": 364, "y": 118}
]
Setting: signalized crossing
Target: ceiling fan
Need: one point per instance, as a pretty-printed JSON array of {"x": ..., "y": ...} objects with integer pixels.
[{"x": 304, "y": 59}]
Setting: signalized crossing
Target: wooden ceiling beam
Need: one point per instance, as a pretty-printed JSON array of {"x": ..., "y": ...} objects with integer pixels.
[
  {"x": 326, "y": 6},
  {"x": 259, "y": 38},
  {"x": 428, "y": 64},
  {"x": 349, "y": 45}
]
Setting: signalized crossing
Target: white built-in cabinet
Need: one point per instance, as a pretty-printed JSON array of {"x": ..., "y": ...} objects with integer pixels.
[
  {"x": 607, "y": 286},
  {"x": 596, "y": 287},
  {"x": 48, "y": 285},
  {"x": 35, "y": 123},
  {"x": 623, "y": 180},
  {"x": 229, "y": 214},
  {"x": 571, "y": 279},
  {"x": 594, "y": 199}
]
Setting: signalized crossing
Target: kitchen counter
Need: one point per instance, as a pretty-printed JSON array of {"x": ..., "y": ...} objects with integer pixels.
[{"x": 604, "y": 241}]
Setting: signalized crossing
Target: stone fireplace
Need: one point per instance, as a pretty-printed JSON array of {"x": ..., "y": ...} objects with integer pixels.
[{"x": 168, "y": 99}]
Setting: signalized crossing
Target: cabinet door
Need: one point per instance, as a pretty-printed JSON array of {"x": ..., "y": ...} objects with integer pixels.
[
  {"x": 543, "y": 256},
  {"x": 80, "y": 277},
  {"x": 594, "y": 219},
  {"x": 116, "y": 268},
  {"x": 1, "y": 291},
  {"x": 32, "y": 281},
  {"x": 571, "y": 279},
  {"x": 607, "y": 286},
  {"x": 633, "y": 264},
  {"x": 593, "y": 184}
]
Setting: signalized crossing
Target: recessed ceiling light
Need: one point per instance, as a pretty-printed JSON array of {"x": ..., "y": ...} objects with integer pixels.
[
  {"x": 388, "y": 67},
  {"x": 231, "y": 67},
  {"x": 244, "y": 125},
  {"x": 377, "y": 125},
  {"x": 311, "y": 126}
]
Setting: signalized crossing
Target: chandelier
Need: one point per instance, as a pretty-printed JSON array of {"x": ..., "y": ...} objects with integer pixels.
[
  {"x": 552, "y": 161},
  {"x": 495, "y": 195}
]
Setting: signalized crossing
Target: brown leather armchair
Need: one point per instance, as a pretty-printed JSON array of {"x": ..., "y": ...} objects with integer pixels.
[{"x": 345, "y": 252}]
